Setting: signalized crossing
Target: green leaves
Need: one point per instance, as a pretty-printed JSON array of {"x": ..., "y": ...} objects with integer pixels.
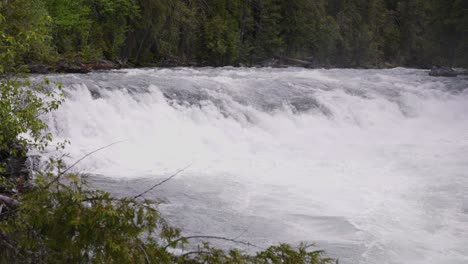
[
  {"x": 24, "y": 34},
  {"x": 67, "y": 221},
  {"x": 72, "y": 223},
  {"x": 22, "y": 104},
  {"x": 227, "y": 32}
]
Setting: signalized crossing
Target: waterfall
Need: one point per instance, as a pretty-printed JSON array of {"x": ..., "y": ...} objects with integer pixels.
[{"x": 372, "y": 165}]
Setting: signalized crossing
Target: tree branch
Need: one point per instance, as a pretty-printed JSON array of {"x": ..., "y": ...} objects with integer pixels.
[
  {"x": 196, "y": 252},
  {"x": 161, "y": 182},
  {"x": 214, "y": 237},
  {"x": 142, "y": 247},
  {"x": 78, "y": 161},
  {"x": 9, "y": 202}
]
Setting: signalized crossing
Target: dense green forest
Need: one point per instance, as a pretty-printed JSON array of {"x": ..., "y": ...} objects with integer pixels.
[{"x": 340, "y": 33}]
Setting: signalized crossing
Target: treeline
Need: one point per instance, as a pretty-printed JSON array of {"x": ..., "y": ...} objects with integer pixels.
[{"x": 341, "y": 33}]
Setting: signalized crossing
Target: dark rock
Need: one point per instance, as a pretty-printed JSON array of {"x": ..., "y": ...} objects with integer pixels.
[
  {"x": 122, "y": 63},
  {"x": 269, "y": 63},
  {"x": 303, "y": 104},
  {"x": 95, "y": 93},
  {"x": 105, "y": 65},
  {"x": 15, "y": 163},
  {"x": 33, "y": 162},
  {"x": 389, "y": 65},
  {"x": 462, "y": 72},
  {"x": 16, "y": 169},
  {"x": 40, "y": 68},
  {"x": 193, "y": 64},
  {"x": 175, "y": 62},
  {"x": 171, "y": 62},
  {"x": 443, "y": 72},
  {"x": 296, "y": 62},
  {"x": 72, "y": 67},
  {"x": 7, "y": 205}
]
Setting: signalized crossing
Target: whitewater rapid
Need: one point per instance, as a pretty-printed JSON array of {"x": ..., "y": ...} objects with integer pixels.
[{"x": 372, "y": 165}]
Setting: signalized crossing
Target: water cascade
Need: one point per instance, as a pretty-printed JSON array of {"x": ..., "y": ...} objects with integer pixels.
[{"x": 372, "y": 165}]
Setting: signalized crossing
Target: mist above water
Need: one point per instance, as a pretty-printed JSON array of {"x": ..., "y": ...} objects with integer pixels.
[{"x": 372, "y": 165}]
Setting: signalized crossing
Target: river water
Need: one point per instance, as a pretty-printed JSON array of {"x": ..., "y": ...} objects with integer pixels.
[{"x": 371, "y": 165}]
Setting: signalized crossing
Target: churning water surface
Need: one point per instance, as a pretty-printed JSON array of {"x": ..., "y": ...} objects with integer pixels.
[{"x": 372, "y": 165}]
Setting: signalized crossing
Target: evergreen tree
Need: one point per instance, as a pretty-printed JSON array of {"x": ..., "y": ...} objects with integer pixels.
[
  {"x": 266, "y": 38},
  {"x": 347, "y": 33},
  {"x": 413, "y": 31}
]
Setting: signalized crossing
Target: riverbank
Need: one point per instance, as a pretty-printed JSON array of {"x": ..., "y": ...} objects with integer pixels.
[{"x": 78, "y": 66}]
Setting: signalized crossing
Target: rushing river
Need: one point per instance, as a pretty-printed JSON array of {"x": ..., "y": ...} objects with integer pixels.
[{"x": 371, "y": 165}]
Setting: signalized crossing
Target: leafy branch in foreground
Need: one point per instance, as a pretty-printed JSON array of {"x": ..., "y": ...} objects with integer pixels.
[
  {"x": 22, "y": 102},
  {"x": 67, "y": 221}
]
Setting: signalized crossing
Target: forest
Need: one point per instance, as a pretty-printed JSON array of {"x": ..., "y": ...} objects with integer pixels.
[
  {"x": 52, "y": 215},
  {"x": 334, "y": 33}
]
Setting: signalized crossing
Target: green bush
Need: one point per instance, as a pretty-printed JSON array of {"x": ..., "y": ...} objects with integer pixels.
[
  {"x": 64, "y": 220},
  {"x": 21, "y": 102}
]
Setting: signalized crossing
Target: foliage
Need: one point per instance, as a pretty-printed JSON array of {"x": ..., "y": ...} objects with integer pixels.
[
  {"x": 66, "y": 221},
  {"x": 347, "y": 33},
  {"x": 21, "y": 102},
  {"x": 282, "y": 253},
  {"x": 20, "y": 126},
  {"x": 27, "y": 23}
]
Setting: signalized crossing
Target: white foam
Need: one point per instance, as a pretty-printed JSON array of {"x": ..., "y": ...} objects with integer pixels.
[{"x": 385, "y": 150}]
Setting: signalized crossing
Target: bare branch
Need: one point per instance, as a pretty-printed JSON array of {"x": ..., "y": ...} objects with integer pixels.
[
  {"x": 78, "y": 161},
  {"x": 196, "y": 252},
  {"x": 9, "y": 202},
  {"x": 161, "y": 182},
  {"x": 245, "y": 231},
  {"x": 142, "y": 247},
  {"x": 213, "y": 237}
]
